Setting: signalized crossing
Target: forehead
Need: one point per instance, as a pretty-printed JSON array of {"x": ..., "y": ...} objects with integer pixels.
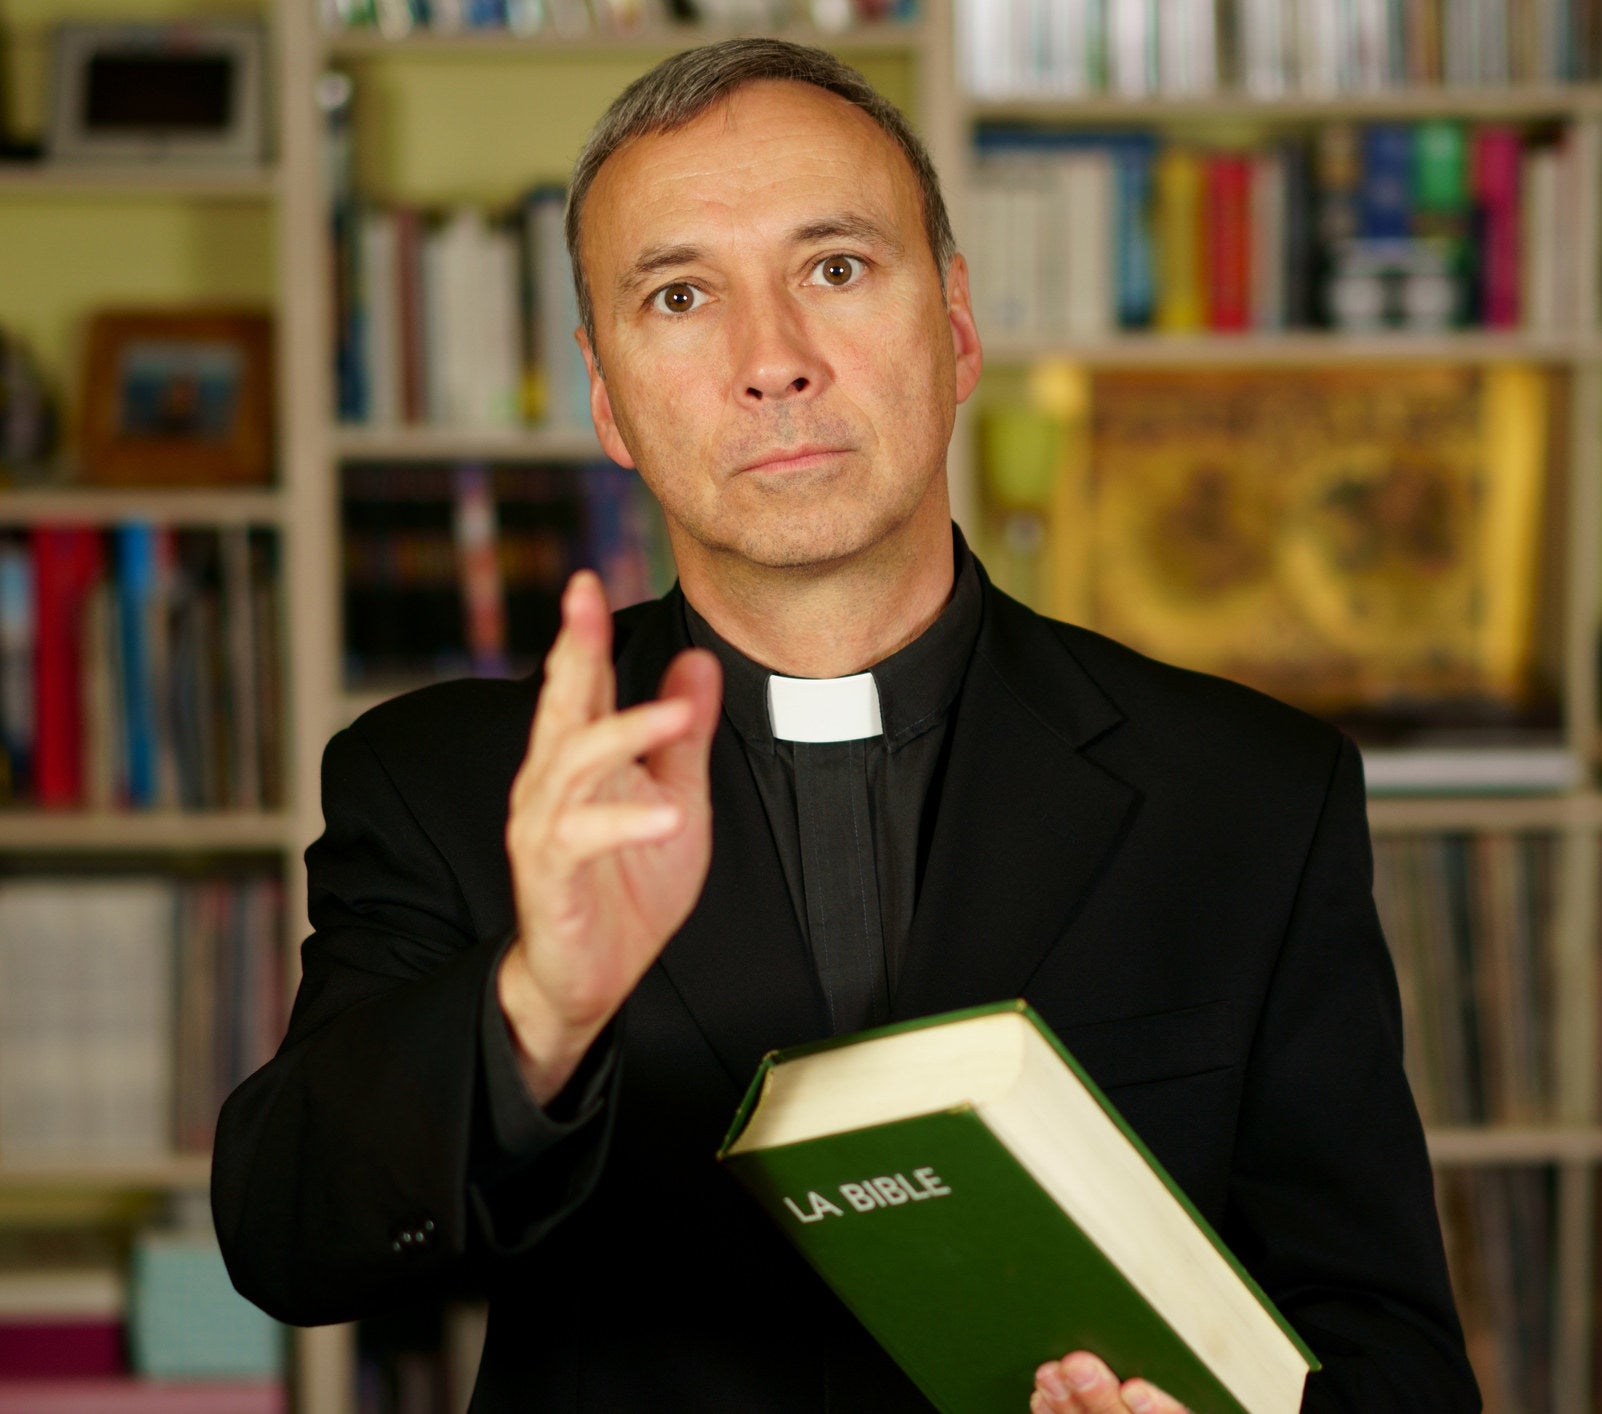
[{"x": 771, "y": 153}]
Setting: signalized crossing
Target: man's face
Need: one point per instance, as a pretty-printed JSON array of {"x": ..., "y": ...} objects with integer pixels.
[{"x": 780, "y": 362}]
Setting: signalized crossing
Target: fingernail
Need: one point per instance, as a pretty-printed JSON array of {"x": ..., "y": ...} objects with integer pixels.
[
  {"x": 1082, "y": 1374},
  {"x": 1052, "y": 1383},
  {"x": 1138, "y": 1398}
]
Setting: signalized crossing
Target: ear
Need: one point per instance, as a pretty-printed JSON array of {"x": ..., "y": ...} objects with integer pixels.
[
  {"x": 964, "y": 332},
  {"x": 601, "y": 406}
]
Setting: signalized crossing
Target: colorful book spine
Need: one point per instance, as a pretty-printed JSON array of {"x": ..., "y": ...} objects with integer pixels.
[
  {"x": 1496, "y": 155},
  {"x": 1227, "y": 241},
  {"x": 1181, "y": 306}
]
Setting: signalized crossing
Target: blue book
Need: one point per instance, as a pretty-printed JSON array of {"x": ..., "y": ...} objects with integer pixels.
[
  {"x": 186, "y": 1321},
  {"x": 1384, "y": 205},
  {"x": 137, "y": 588}
]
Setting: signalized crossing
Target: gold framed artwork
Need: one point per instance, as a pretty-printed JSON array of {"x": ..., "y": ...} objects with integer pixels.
[
  {"x": 1351, "y": 539},
  {"x": 178, "y": 398}
]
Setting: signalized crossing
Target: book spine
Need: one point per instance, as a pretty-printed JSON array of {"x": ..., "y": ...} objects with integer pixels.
[
  {"x": 1496, "y": 188},
  {"x": 1227, "y": 241},
  {"x": 1180, "y": 306}
]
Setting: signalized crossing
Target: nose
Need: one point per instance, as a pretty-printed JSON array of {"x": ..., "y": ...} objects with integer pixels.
[{"x": 778, "y": 359}]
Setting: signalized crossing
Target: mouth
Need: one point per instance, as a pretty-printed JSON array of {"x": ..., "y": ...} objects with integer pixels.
[{"x": 792, "y": 459}]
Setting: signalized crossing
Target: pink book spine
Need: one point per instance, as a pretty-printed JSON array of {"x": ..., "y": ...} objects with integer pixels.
[
  {"x": 1496, "y": 192},
  {"x": 60, "y": 1347},
  {"x": 131, "y": 1395}
]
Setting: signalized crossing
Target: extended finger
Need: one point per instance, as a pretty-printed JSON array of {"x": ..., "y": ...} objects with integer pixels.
[
  {"x": 578, "y": 681},
  {"x": 597, "y": 750},
  {"x": 589, "y": 831}
]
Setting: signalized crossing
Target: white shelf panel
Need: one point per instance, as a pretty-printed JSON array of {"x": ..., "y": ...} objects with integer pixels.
[
  {"x": 131, "y": 831},
  {"x": 647, "y": 39},
  {"x": 176, "y": 1172},
  {"x": 1450, "y": 771},
  {"x": 1210, "y": 350},
  {"x": 1526, "y": 102},
  {"x": 152, "y": 180},
  {"x": 445, "y": 443},
  {"x": 207, "y": 505},
  {"x": 1524, "y": 1145}
]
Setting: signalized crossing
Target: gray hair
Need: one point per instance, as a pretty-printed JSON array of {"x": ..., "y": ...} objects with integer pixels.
[{"x": 681, "y": 88}]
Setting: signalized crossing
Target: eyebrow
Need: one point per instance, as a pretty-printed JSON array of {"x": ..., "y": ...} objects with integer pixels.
[{"x": 847, "y": 226}]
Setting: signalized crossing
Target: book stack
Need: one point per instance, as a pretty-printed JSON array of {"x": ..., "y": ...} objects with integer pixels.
[
  {"x": 1408, "y": 226},
  {"x": 1502, "y": 1247},
  {"x": 458, "y": 568},
  {"x": 566, "y": 19},
  {"x": 140, "y": 668},
  {"x": 129, "y": 1008},
  {"x": 1268, "y": 48},
  {"x": 1471, "y": 920}
]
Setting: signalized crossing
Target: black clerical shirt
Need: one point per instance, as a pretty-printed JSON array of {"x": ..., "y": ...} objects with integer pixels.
[{"x": 901, "y": 769}]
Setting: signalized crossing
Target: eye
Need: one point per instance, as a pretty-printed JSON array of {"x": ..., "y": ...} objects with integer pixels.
[
  {"x": 678, "y": 298},
  {"x": 838, "y": 270}
]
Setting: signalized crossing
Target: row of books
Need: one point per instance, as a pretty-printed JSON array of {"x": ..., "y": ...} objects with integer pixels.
[
  {"x": 452, "y": 569},
  {"x": 140, "y": 667},
  {"x": 569, "y": 18},
  {"x": 1269, "y": 48},
  {"x": 1500, "y": 1229},
  {"x": 457, "y": 319},
  {"x": 1422, "y": 226},
  {"x": 1470, "y": 920},
  {"x": 130, "y": 1006}
]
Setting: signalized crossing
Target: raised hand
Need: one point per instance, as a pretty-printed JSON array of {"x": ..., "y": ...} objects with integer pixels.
[
  {"x": 609, "y": 834},
  {"x": 1081, "y": 1384}
]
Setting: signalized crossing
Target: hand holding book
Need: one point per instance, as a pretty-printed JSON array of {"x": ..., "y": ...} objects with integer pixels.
[{"x": 1081, "y": 1384}]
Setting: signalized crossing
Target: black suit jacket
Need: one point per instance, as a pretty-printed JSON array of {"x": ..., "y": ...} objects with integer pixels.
[{"x": 1173, "y": 870}]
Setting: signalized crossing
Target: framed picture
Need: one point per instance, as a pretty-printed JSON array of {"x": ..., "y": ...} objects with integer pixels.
[
  {"x": 178, "y": 398},
  {"x": 188, "y": 92}
]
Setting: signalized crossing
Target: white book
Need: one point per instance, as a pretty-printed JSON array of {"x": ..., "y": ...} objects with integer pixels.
[
  {"x": 1318, "y": 46},
  {"x": 1131, "y": 47},
  {"x": 432, "y": 319},
  {"x": 1543, "y": 237},
  {"x": 1091, "y": 278},
  {"x": 459, "y": 332},
  {"x": 502, "y": 336},
  {"x": 1372, "y": 44},
  {"x": 567, "y": 385},
  {"x": 1187, "y": 47},
  {"x": 380, "y": 298},
  {"x": 1070, "y": 40},
  {"x": 1267, "y": 260},
  {"x": 1264, "y": 47},
  {"x": 984, "y": 244}
]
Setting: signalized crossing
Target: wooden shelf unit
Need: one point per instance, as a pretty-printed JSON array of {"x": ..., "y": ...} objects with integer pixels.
[{"x": 305, "y": 509}]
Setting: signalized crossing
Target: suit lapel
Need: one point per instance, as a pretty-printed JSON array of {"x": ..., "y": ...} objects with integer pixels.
[
  {"x": 1026, "y": 820},
  {"x": 739, "y": 963}
]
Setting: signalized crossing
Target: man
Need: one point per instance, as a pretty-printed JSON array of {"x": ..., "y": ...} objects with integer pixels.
[{"x": 546, "y": 962}]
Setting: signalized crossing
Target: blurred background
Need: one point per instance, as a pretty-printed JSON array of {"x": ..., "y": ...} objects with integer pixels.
[{"x": 1294, "y": 374}]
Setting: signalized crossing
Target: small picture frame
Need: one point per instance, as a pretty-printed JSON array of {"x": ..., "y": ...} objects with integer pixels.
[
  {"x": 190, "y": 92},
  {"x": 178, "y": 398}
]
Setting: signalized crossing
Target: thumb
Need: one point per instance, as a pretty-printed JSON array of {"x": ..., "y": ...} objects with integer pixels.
[{"x": 697, "y": 677}]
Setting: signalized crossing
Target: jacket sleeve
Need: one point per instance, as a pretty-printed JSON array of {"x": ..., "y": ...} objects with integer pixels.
[
  {"x": 1331, "y": 1200},
  {"x": 388, "y": 1147}
]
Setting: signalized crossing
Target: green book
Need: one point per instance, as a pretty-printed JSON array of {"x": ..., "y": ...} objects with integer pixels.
[{"x": 979, "y": 1204}]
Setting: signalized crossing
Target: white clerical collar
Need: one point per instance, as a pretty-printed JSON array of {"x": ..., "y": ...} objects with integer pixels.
[{"x": 824, "y": 709}]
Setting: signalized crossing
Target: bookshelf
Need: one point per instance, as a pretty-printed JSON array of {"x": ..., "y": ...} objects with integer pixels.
[{"x": 254, "y": 236}]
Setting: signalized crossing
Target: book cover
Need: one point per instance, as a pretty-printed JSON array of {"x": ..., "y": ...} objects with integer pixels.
[
  {"x": 1227, "y": 240},
  {"x": 974, "y": 1242}
]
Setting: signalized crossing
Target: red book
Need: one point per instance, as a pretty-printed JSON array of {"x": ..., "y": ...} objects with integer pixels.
[
  {"x": 1496, "y": 196},
  {"x": 1227, "y": 240},
  {"x": 58, "y": 1346},
  {"x": 67, "y": 561},
  {"x": 409, "y": 304}
]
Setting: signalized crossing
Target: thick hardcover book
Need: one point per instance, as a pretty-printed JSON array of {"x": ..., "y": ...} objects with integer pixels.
[{"x": 979, "y": 1204}]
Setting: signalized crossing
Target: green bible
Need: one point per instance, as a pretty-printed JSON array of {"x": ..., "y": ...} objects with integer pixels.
[{"x": 972, "y": 1196}]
